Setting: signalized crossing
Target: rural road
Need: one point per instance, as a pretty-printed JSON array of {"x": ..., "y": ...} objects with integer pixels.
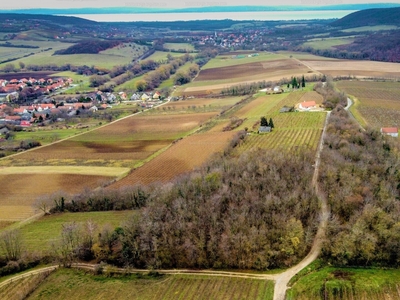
[{"x": 283, "y": 279}]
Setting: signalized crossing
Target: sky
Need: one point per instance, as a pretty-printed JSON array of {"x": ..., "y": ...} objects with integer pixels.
[{"x": 171, "y": 4}]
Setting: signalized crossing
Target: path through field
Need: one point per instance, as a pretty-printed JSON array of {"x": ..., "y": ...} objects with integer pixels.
[{"x": 283, "y": 279}]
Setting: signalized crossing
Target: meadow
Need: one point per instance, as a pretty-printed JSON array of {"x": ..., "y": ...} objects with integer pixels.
[
  {"x": 377, "y": 104},
  {"x": 179, "y": 46},
  {"x": 346, "y": 284},
  {"x": 328, "y": 43},
  {"x": 84, "y": 286},
  {"x": 38, "y": 236}
]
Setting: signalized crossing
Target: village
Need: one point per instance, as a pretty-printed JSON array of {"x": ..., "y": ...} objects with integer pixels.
[{"x": 44, "y": 109}]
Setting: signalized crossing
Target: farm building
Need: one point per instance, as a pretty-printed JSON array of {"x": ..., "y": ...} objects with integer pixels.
[
  {"x": 264, "y": 129},
  {"x": 307, "y": 105},
  {"x": 392, "y": 131}
]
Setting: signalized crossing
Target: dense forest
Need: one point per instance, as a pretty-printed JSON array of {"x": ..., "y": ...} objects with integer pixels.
[
  {"x": 88, "y": 46},
  {"x": 360, "y": 174}
]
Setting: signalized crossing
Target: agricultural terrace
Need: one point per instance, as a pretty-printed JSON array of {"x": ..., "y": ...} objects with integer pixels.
[
  {"x": 85, "y": 286},
  {"x": 20, "y": 190},
  {"x": 38, "y": 236},
  {"x": 377, "y": 104},
  {"x": 327, "y": 43},
  {"x": 179, "y": 46},
  {"x": 292, "y": 130},
  {"x": 120, "y": 55},
  {"x": 356, "y": 68},
  {"x": 122, "y": 143},
  {"x": 212, "y": 80},
  {"x": 182, "y": 157}
]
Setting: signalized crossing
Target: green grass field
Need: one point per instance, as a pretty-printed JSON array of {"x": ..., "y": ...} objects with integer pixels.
[
  {"x": 370, "y": 28},
  {"x": 38, "y": 236},
  {"x": 129, "y": 85},
  {"x": 78, "y": 285},
  {"x": 179, "y": 46},
  {"x": 346, "y": 284},
  {"x": 327, "y": 43},
  {"x": 226, "y": 60},
  {"x": 160, "y": 55}
]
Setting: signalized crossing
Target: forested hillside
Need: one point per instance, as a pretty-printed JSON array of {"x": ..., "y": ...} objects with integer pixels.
[{"x": 360, "y": 174}]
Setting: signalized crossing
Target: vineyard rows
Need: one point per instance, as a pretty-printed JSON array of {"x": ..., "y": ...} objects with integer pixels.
[
  {"x": 286, "y": 139},
  {"x": 21, "y": 288}
]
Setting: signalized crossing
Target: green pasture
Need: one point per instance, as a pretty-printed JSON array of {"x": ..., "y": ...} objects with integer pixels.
[
  {"x": 129, "y": 85},
  {"x": 227, "y": 60},
  {"x": 179, "y": 46},
  {"x": 371, "y": 28},
  {"x": 38, "y": 236},
  {"x": 345, "y": 283},
  {"x": 46, "y": 136},
  {"x": 327, "y": 43},
  {"x": 80, "y": 285},
  {"x": 160, "y": 55}
]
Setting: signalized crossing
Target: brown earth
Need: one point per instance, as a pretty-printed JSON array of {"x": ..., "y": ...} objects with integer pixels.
[
  {"x": 180, "y": 158},
  {"x": 250, "y": 69},
  {"x": 19, "y": 191}
]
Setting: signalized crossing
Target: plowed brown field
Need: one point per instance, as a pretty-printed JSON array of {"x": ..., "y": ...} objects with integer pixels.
[{"x": 182, "y": 157}]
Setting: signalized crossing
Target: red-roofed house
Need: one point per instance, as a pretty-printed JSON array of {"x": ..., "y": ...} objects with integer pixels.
[
  {"x": 307, "y": 104},
  {"x": 392, "y": 131}
]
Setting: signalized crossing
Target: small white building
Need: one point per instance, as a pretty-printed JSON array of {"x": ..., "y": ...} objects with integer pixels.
[
  {"x": 392, "y": 131},
  {"x": 307, "y": 105}
]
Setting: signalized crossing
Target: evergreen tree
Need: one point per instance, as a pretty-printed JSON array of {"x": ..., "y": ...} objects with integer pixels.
[
  {"x": 294, "y": 82},
  {"x": 263, "y": 121},
  {"x": 271, "y": 123},
  {"x": 303, "y": 82}
]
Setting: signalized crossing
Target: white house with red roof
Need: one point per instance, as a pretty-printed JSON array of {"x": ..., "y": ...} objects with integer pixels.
[
  {"x": 392, "y": 131},
  {"x": 307, "y": 105}
]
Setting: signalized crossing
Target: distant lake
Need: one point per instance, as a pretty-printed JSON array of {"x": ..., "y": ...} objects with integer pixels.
[{"x": 238, "y": 16}]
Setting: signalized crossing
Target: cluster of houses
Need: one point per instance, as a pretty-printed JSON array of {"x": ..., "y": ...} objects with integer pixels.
[
  {"x": 25, "y": 116},
  {"x": 45, "y": 86},
  {"x": 229, "y": 40}
]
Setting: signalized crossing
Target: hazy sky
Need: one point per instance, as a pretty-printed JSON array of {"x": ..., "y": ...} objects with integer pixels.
[{"x": 170, "y": 3}]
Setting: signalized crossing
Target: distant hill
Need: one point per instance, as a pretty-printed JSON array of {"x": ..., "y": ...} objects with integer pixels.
[
  {"x": 205, "y": 9},
  {"x": 60, "y": 20},
  {"x": 370, "y": 17}
]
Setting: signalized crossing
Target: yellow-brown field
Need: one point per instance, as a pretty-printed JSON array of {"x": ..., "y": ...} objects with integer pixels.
[
  {"x": 129, "y": 140},
  {"x": 19, "y": 191},
  {"x": 355, "y": 68},
  {"x": 180, "y": 158}
]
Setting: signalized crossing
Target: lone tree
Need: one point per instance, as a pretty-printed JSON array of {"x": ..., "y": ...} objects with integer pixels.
[
  {"x": 263, "y": 122},
  {"x": 11, "y": 244},
  {"x": 271, "y": 123},
  {"x": 303, "y": 82}
]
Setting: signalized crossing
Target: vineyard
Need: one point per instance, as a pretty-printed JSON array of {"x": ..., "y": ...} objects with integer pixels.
[
  {"x": 22, "y": 288},
  {"x": 182, "y": 157},
  {"x": 379, "y": 102},
  {"x": 286, "y": 139},
  {"x": 84, "y": 286}
]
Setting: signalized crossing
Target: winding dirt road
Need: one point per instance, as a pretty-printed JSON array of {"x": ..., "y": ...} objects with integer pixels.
[{"x": 281, "y": 279}]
